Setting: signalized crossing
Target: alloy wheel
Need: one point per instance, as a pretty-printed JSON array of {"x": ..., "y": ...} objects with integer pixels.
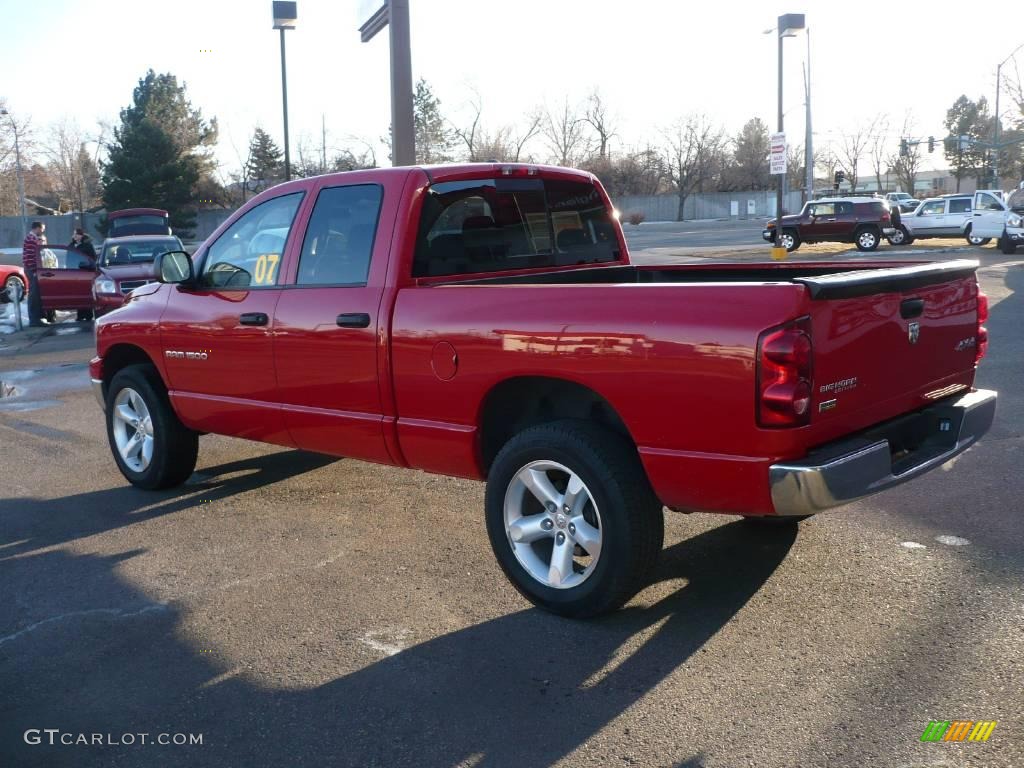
[{"x": 133, "y": 430}]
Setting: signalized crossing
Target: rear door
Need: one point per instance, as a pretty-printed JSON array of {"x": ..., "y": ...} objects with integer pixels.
[
  {"x": 326, "y": 324},
  {"x": 846, "y": 218},
  {"x": 958, "y": 214},
  {"x": 217, "y": 337},
  {"x": 988, "y": 219},
  {"x": 894, "y": 334}
]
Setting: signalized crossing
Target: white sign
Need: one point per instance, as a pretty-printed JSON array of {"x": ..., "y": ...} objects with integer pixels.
[
  {"x": 778, "y": 154},
  {"x": 751, "y": 207},
  {"x": 734, "y": 207}
]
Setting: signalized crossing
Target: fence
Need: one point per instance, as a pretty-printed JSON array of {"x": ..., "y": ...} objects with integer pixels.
[
  {"x": 59, "y": 228},
  {"x": 713, "y": 205}
]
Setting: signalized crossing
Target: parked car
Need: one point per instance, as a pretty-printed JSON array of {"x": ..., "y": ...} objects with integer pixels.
[
  {"x": 993, "y": 217},
  {"x": 485, "y": 321},
  {"x": 126, "y": 263},
  {"x": 11, "y": 276},
  {"x": 946, "y": 216},
  {"x": 859, "y": 220},
  {"x": 139, "y": 221},
  {"x": 907, "y": 203}
]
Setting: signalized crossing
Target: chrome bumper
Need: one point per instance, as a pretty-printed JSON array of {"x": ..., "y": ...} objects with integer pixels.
[
  {"x": 97, "y": 389},
  {"x": 864, "y": 464}
]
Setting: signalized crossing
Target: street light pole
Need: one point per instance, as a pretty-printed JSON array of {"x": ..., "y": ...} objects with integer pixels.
[
  {"x": 789, "y": 25},
  {"x": 999, "y": 87},
  {"x": 285, "y": 14},
  {"x": 17, "y": 167},
  {"x": 809, "y": 139}
]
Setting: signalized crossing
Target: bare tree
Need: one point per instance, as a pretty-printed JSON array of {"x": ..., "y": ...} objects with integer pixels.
[
  {"x": 597, "y": 117},
  {"x": 827, "y": 160},
  {"x": 692, "y": 146},
  {"x": 878, "y": 149},
  {"x": 795, "y": 163},
  {"x": 852, "y": 149},
  {"x": 906, "y": 167},
  {"x": 503, "y": 144},
  {"x": 565, "y": 133},
  {"x": 74, "y": 174}
]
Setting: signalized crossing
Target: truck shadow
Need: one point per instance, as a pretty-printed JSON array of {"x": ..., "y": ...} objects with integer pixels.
[
  {"x": 525, "y": 689},
  {"x": 30, "y": 523}
]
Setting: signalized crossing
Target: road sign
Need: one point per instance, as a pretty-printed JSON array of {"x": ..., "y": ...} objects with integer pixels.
[{"x": 778, "y": 154}]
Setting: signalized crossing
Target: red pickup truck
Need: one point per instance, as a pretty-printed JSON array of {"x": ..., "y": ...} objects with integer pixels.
[{"x": 484, "y": 321}]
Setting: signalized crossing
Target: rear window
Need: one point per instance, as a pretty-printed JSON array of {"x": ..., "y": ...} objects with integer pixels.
[
  {"x": 144, "y": 224},
  {"x": 490, "y": 225}
]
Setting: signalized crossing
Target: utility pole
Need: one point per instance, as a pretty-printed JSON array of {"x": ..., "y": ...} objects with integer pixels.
[
  {"x": 394, "y": 14},
  {"x": 809, "y": 139},
  {"x": 285, "y": 14}
]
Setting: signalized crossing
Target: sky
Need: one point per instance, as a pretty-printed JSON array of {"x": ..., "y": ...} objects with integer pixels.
[{"x": 652, "y": 60}]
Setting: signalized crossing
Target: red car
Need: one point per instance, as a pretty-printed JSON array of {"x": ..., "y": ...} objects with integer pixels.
[{"x": 484, "y": 321}]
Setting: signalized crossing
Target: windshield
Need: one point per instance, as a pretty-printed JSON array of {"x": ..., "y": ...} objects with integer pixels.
[{"x": 137, "y": 251}]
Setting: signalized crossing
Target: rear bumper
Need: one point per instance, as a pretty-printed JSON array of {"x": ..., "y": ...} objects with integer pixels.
[{"x": 881, "y": 457}]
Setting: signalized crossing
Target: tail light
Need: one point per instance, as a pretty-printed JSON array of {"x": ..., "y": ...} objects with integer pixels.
[
  {"x": 519, "y": 170},
  {"x": 784, "y": 367},
  {"x": 981, "y": 349}
]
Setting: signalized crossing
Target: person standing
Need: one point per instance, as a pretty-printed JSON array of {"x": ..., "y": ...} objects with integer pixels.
[
  {"x": 82, "y": 243},
  {"x": 34, "y": 242}
]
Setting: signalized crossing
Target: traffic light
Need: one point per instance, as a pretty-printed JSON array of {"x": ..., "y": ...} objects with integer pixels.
[
  {"x": 840, "y": 178},
  {"x": 931, "y": 143},
  {"x": 904, "y": 149}
]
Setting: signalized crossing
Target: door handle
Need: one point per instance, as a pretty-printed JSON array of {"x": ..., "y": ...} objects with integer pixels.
[
  {"x": 829, "y": 219},
  {"x": 46, "y": 274},
  {"x": 911, "y": 308},
  {"x": 253, "y": 318},
  {"x": 353, "y": 320},
  {"x": 977, "y": 214}
]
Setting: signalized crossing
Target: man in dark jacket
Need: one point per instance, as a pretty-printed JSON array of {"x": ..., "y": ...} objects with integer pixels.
[{"x": 82, "y": 243}]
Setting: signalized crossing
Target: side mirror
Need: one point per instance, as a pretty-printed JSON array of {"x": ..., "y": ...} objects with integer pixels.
[{"x": 174, "y": 267}]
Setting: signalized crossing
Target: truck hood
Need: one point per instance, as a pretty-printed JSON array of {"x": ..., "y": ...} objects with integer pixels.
[{"x": 791, "y": 218}]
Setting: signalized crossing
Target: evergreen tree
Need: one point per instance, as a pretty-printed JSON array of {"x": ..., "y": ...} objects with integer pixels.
[
  {"x": 971, "y": 119},
  {"x": 160, "y": 153},
  {"x": 435, "y": 140},
  {"x": 265, "y": 166}
]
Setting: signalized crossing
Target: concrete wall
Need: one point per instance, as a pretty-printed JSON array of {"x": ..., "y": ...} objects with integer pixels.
[{"x": 714, "y": 205}]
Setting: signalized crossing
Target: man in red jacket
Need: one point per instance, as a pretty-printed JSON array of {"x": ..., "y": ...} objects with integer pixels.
[{"x": 34, "y": 242}]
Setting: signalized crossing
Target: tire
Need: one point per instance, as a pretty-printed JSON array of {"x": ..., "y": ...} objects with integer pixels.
[
  {"x": 972, "y": 240},
  {"x": 172, "y": 447},
  {"x": 50, "y": 316},
  {"x": 84, "y": 314},
  {"x": 866, "y": 239},
  {"x": 901, "y": 237},
  {"x": 1007, "y": 246},
  {"x": 13, "y": 280},
  {"x": 614, "y": 501},
  {"x": 790, "y": 240}
]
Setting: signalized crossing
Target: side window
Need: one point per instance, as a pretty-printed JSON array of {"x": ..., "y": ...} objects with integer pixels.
[
  {"x": 935, "y": 208},
  {"x": 960, "y": 205},
  {"x": 823, "y": 209},
  {"x": 988, "y": 203},
  {"x": 249, "y": 252},
  {"x": 340, "y": 235},
  {"x": 844, "y": 209}
]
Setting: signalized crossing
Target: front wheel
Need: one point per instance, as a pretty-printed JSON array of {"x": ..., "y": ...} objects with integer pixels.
[
  {"x": 867, "y": 240},
  {"x": 974, "y": 239},
  {"x": 152, "y": 448},
  {"x": 14, "y": 287},
  {"x": 572, "y": 519},
  {"x": 901, "y": 236},
  {"x": 789, "y": 240}
]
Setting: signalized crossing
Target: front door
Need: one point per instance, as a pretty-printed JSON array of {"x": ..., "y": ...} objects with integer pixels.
[
  {"x": 326, "y": 326},
  {"x": 989, "y": 216},
  {"x": 930, "y": 219},
  {"x": 824, "y": 224},
  {"x": 65, "y": 278},
  {"x": 217, "y": 337}
]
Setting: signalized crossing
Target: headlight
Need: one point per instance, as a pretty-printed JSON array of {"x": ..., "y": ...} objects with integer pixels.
[
  {"x": 1013, "y": 220},
  {"x": 105, "y": 286}
]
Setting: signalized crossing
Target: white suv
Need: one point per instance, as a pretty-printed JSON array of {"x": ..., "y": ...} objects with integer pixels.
[{"x": 946, "y": 216}]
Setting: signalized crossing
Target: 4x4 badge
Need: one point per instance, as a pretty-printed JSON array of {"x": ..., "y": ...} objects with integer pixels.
[{"x": 913, "y": 332}]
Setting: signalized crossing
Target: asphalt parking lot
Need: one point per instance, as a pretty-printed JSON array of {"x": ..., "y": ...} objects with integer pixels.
[{"x": 295, "y": 609}]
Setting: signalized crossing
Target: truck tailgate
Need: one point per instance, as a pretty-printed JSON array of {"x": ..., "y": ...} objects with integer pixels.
[{"x": 904, "y": 334}]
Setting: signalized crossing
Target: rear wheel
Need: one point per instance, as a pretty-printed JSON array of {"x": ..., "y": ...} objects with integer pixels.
[
  {"x": 867, "y": 239},
  {"x": 84, "y": 314},
  {"x": 790, "y": 240},
  {"x": 901, "y": 236},
  {"x": 13, "y": 283},
  {"x": 974, "y": 239},
  {"x": 152, "y": 448},
  {"x": 572, "y": 519},
  {"x": 1006, "y": 245}
]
